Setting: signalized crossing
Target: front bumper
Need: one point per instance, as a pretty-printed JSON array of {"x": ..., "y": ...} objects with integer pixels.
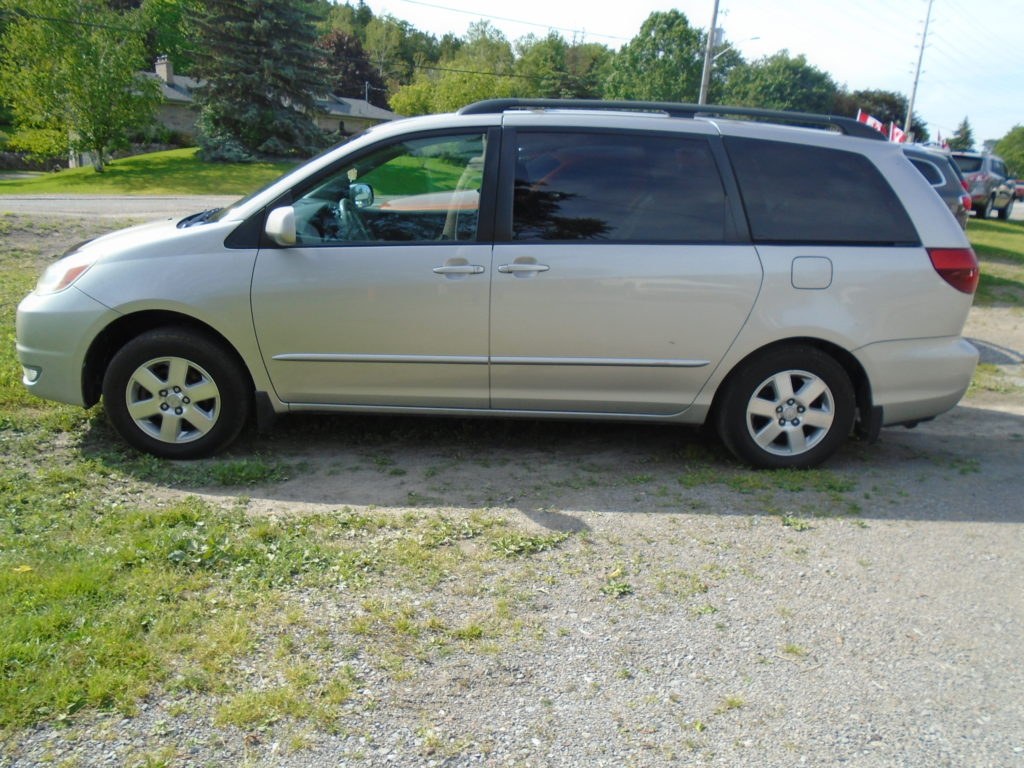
[{"x": 53, "y": 337}]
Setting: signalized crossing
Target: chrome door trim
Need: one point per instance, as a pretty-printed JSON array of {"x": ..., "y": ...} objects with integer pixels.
[
  {"x": 431, "y": 359},
  {"x": 636, "y": 362}
]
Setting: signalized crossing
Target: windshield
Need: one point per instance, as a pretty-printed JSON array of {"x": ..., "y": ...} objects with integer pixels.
[{"x": 225, "y": 213}]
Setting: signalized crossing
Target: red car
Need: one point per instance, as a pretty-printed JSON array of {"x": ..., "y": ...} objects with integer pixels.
[{"x": 1019, "y": 194}]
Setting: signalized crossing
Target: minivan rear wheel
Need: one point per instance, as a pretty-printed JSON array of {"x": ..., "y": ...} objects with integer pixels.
[
  {"x": 788, "y": 408},
  {"x": 176, "y": 393}
]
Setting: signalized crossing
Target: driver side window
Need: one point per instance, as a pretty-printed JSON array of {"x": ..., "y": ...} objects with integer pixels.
[{"x": 421, "y": 190}]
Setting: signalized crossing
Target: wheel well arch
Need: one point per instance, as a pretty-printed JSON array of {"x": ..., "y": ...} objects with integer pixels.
[
  {"x": 858, "y": 376},
  {"x": 127, "y": 327}
]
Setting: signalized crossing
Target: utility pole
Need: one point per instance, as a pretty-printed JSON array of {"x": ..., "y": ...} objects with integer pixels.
[
  {"x": 917, "y": 73},
  {"x": 705, "y": 77}
]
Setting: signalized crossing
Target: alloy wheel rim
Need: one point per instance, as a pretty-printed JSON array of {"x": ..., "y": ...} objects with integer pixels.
[
  {"x": 173, "y": 400},
  {"x": 790, "y": 413}
]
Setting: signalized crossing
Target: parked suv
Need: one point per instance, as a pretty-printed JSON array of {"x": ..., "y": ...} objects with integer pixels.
[
  {"x": 990, "y": 184},
  {"x": 937, "y": 166},
  {"x": 609, "y": 260}
]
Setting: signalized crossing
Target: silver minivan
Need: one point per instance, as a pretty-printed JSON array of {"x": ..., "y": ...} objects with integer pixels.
[{"x": 598, "y": 260}]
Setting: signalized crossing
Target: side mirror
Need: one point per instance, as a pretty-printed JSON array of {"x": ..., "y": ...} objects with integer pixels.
[
  {"x": 280, "y": 226},
  {"x": 361, "y": 195}
]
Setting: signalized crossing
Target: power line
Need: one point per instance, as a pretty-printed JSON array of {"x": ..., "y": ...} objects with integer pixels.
[
  {"x": 511, "y": 21},
  {"x": 20, "y": 14}
]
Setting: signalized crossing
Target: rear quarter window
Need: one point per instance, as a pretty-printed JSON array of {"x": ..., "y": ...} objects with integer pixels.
[
  {"x": 795, "y": 193},
  {"x": 929, "y": 171}
]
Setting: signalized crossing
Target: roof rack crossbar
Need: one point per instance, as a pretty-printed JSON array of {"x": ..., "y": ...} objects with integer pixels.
[{"x": 847, "y": 125}]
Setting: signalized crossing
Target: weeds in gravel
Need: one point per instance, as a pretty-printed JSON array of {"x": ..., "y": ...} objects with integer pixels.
[
  {"x": 989, "y": 377},
  {"x": 796, "y": 523},
  {"x": 516, "y": 544},
  {"x": 730, "y": 703},
  {"x": 792, "y": 649}
]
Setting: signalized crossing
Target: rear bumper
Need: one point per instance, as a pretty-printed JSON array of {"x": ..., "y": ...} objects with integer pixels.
[{"x": 917, "y": 379}]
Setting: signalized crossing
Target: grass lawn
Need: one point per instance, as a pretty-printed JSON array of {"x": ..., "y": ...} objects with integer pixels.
[
  {"x": 1000, "y": 248},
  {"x": 176, "y": 171}
]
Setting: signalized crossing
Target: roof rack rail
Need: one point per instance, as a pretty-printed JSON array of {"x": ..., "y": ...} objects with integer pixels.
[{"x": 847, "y": 125}]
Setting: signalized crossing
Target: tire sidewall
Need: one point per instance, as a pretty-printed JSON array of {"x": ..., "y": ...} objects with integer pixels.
[
  {"x": 212, "y": 357},
  {"x": 744, "y": 382}
]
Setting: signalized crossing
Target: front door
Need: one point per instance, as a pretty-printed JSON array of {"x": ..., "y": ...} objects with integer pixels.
[{"x": 383, "y": 300}]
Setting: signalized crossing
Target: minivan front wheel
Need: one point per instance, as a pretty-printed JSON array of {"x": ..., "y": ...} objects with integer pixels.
[
  {"x": 786, "y": 408},
  {"x": 176, "y": 394}
]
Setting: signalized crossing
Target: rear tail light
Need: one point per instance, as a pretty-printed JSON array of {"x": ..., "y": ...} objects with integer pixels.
[
  {"x": 957, "y": 266},
  {"x": 966, "y": 201}
]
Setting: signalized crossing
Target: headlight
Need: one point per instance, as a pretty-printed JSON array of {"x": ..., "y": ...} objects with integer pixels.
[{"x": 63, "y": 273}]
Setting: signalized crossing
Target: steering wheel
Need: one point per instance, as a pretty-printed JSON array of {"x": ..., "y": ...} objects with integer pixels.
[{"x": 351, "y": 222}]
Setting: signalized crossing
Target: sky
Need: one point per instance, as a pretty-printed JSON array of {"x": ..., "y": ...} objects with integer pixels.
[{"x": 973, "y": 63}]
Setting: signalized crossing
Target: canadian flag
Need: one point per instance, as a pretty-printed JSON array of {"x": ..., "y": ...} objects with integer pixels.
[
  {"x": 867, "y": 119},
  {"x": 896, "y": 134}
]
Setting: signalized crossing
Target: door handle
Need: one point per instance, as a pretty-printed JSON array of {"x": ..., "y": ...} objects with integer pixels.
[
  {"x": 511, "y": 269},
  {"x": 459, "y": 269}
]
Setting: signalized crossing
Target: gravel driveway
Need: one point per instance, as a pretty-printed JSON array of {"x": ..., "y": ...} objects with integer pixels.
[{"x": 868, "y": 614}]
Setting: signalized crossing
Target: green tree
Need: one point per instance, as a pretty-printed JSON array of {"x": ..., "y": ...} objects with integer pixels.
[
  {"x": 887, "y": 106},
  {"x": 1011, "y": 149},
  {"x": 383, "y": 44},
  {"x": 349, "y": 72},
  {"x": 482, "y": 69},
  {"x": 75, "y": 84},
  {"x": 588, "y": 65},
  {"x": 662, "y": 63},
  {"x": 781, "y": 81},
  {"x": 553, "y": 68},
  {"x": 261, "y": 71},
  {"x": 169, "y": 31},
  {"x": 542, "y": 63},
  {"x": 963, "y": 139}
]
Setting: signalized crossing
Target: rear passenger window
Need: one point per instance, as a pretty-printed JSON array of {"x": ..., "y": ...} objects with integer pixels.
[
  {"x": 615, "y": 187},
  {"x": 794, "y": 193}
]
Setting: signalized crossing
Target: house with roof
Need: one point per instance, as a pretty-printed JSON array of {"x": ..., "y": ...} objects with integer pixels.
[{"x": 334, "y": 114}]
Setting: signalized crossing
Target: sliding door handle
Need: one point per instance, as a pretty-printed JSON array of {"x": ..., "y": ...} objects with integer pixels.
[
  {"x": 514, "y": 269},
  {"x": 459, "y": 269}
]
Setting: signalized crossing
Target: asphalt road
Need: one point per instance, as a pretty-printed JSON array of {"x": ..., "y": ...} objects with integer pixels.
[{"x": 113, "y": 206}]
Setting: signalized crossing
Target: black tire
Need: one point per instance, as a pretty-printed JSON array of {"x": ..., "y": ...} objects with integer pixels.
[
  {"x": 786, "y": 408},
  {"x": 1004, "y": 213},
  {"x": 981, "y": 211},
  {"x": 177, "y": 394}
]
